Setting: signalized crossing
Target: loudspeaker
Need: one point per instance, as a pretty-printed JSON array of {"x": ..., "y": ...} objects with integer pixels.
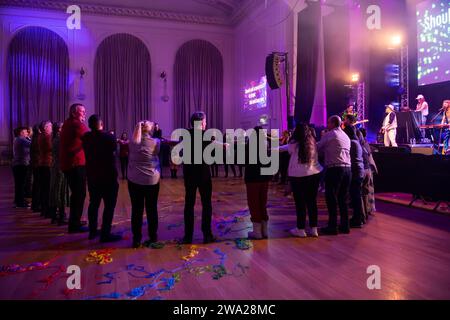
[{"x": 273, "y": 71}]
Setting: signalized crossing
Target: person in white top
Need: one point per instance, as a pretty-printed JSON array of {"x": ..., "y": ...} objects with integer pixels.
[
  {"x": 389, "y": 128},
  {"x": 304, "y": 174},
  {"x": 422, "y": 107}
]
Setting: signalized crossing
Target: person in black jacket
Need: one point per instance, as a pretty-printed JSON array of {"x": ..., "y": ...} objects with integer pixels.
[
  {"x": 197, "y": 176},
  {"x": 257, "y": 186},
  {"x": 99, "y": 148},
  {"x": 356, "y": 155}
]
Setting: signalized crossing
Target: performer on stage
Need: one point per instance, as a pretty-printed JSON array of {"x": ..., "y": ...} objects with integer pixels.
[
  {"x": 446, "y": 131},
  {"x": 350, "y": 111},
  {"x": 422, "y": 106},
  {"x": 389, "y": 128}
]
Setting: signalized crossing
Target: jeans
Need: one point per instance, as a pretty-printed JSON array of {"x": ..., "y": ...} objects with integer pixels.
[
  {"x": 76, "y": 178},
  {"x": 257, "y": 200},
  {"x": 108, "y": 193},
  {"x": 20, "y": 176},
  {"x": 337, "y": 183},
  {"x": 144, "y": 196},
  {"x": 204, "y": 186},
  {"x": 304, "y": 190}
]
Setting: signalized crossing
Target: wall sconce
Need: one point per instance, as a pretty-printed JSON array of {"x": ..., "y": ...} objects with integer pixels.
[
  {"x": 165, "y": 96},
  {"x": 81, "y": 95}
]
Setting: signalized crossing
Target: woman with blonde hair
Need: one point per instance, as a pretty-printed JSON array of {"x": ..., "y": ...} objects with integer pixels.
[{"x": 144, "y": 174}]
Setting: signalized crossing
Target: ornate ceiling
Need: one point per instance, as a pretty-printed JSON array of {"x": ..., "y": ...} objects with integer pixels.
[{"x": 222, "y": 12}]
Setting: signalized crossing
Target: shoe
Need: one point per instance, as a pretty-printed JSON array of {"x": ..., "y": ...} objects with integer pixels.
[
  {"x": 257, "y": 231},
  {"x": 93, "y": 235},
  {"x": 209, "y": 238},
  {"x": 136, "y": 244},
  {"x": 186, "y": 240},
  {"x": 314, "y": 232},
  {"x": 111, "y": 238},
  {"x": 329, "y": 231},
  {"x": 299, "y": 233},
  {"x": 344, "y": 230},
  {"x": 79, "y": 229},
  {"x": 153, "y": 239},
  {"x": 355, "y": 224},
  {"x": 264, "y": 230}
]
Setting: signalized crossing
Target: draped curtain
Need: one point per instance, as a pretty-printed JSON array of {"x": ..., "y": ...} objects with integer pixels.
[
  {"x": 198, "y": 83},
  {"x": 336, "y": 33},
  {"x": 38, "y": 73},
  {"x": 122, "y": 82},
  {"x": 307, "y": 60}
]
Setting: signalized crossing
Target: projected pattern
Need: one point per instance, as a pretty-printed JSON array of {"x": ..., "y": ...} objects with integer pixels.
[{"x": 433, "y": 41}]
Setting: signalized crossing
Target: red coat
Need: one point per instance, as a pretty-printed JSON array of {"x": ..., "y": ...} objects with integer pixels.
[{"x": 71, "y": 151}]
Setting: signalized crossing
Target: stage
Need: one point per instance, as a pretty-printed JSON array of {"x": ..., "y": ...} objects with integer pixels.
[{"x": 409, "y": 245}]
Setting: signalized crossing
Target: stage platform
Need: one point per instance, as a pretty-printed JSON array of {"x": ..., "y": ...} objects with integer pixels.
[{"x": 411, "y": 247}]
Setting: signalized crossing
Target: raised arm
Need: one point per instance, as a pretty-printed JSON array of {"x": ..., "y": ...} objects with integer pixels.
[{"x": 137, "y": 134}]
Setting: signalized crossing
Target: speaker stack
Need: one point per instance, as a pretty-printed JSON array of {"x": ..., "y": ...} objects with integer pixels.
[{"x": 274, "y": 73}]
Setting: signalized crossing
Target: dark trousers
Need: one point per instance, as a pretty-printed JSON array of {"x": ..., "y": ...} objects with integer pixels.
[
  {"x": 257, "y": 200},
  {"x": 36, "y": 191},
  {"x": 232, "y": 169},
  {"x": 124, "y": 167},
  {"x": 76, "y": 178},
  {"x": 144, "y": 196},
  {"x": 337, "y": 183},
  {"x": 20, "y": 177},
  {"x": 204, "y": 186},
  {"x": 44, "y": 176},
  {"x": 108, "y": 193},
  {"x": 29, "y": 182},
  {"x": 284, "y": 165},
  {"x": 356, "y": 200},
  {"x": 214, "y": 170},
  {"x": 304, "y": 190}
]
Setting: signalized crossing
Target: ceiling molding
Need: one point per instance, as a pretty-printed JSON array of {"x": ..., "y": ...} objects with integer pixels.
[{"x": 121, "y": 11}]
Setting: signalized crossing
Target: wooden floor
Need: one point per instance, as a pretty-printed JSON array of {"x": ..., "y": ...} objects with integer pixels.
[{"x": 411, "y": 246}]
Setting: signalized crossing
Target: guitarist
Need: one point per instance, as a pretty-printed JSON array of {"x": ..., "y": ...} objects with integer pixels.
[{"x": 389, "y": 128}]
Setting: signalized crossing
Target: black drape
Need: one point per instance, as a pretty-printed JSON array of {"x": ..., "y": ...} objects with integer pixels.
[
  {"x": 307, "y": 58},
  {"x": 337, "y": 59}
]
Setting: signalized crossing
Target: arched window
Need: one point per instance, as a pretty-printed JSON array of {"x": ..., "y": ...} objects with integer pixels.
[
  {"x": 38, "y": 70},
  {"x": 198, "y": 76},
  {"x": 122, "y": 82}
]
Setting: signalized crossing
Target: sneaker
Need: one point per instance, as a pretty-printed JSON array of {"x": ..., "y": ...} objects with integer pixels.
[
  {"x": 354, "y": 224},
  {"x": 111, "y": 238},
  {"x": 314, "y": 232},
  {"x": 299, "y": 233}
]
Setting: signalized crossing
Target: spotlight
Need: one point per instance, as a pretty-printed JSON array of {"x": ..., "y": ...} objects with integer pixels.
[
  {"x": 355, "y": 77},
  {"x": 396, "y": 40}
]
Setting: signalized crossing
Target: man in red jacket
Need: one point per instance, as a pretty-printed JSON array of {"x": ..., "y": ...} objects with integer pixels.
[{"x": 73, "y": 163}]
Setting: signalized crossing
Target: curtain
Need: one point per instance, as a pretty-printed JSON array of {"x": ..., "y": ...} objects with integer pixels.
[
  {"x": 122, "y": 76},
  {"x": 198, "y": 83},
  {"x": 307, "y": 60},
  {"x": 38, "y": 73},
  {"x": 337, "y": 59}
]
